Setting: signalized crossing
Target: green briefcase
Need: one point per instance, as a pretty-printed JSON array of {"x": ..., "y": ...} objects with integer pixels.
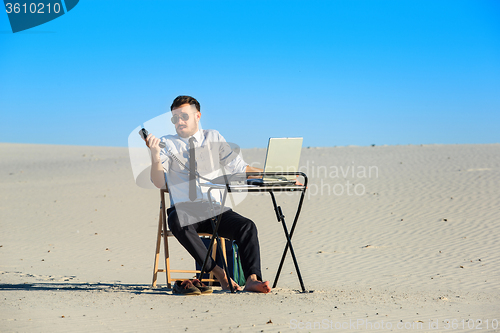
[
  {"x": 238, "y": 275},
  {"x": 233, "y": 262}
]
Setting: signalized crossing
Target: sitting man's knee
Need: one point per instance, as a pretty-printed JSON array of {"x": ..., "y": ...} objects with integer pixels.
[{"x": 249, "y": 226}]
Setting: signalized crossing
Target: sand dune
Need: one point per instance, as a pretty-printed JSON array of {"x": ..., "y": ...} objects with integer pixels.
[{"x": 407, "y": 235}]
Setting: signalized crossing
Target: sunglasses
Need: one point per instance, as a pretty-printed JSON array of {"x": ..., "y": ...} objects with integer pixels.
[{"x": 183, "y": 116}]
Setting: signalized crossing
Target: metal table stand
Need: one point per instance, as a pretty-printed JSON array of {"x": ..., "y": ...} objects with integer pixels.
[{"x": 279, "y": 216}]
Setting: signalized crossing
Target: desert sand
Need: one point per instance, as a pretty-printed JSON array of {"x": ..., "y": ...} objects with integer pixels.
[{"x": 391, "y": 238}]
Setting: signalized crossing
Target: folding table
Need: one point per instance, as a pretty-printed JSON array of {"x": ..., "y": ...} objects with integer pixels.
[{"x": 279, "y": 215}]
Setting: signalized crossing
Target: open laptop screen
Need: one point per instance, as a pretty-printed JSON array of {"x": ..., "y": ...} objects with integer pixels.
[{"x": 283, "y": 154}]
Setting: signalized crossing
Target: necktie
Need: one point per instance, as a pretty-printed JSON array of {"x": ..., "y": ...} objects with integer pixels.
[{"x": 192, "y": 175}]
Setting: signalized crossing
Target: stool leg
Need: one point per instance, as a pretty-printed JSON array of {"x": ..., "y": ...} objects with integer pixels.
[
  {"x": 214, "y": 257},
  {"x": 157, "y": 253},
  {"x": 165, "y": 249}
]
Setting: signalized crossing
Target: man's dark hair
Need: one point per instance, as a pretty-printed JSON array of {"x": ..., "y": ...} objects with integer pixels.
[{"x": 181, "y": 100}]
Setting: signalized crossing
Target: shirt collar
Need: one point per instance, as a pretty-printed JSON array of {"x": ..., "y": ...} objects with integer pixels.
[{"x": 198, "y": 137}]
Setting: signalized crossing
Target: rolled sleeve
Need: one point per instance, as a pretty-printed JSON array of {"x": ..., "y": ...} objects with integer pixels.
[{"x": 232, "y": 161}]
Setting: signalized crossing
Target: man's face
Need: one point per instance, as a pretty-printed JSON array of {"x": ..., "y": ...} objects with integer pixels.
[{"x": 186, "y": 128}]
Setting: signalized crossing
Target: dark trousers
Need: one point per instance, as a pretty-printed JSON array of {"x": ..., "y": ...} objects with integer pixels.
[{"x": 232, "y": 226}]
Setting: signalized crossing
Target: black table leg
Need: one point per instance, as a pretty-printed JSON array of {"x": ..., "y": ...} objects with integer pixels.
[
  {"x": 215, "y": 236},
  {"x": 219, "y": 247},
  {"x": 281, "y": 218}
]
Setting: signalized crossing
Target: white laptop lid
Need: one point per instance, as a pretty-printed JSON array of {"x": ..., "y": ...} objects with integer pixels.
[{"x": 283, "y": 154}]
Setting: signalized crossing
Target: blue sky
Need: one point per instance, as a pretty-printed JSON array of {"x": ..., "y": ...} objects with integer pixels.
[{"x": 333, "y": 72}]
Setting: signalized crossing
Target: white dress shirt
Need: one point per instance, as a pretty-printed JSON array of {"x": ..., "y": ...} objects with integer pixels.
[{"x": 212, "y": 154}]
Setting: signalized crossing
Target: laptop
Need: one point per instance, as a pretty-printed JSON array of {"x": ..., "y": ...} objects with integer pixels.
[{"x": 283, "y": 154}]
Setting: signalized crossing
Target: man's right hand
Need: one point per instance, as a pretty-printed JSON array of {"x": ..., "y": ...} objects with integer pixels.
[
  {"x": 154, "y": 145},
  {"x": 157, "y": 173}
]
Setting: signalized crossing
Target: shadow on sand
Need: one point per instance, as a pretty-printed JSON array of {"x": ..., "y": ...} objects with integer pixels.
[
  {"x": 88, "y": 287},
  {"x": 141, "y": 289}
]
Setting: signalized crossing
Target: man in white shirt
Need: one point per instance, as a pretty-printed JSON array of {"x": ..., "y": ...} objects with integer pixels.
[{"x": 172, "y": 164}]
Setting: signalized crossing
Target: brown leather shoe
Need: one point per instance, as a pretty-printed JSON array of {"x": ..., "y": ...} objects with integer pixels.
[
  {"x": 201, "y": 287},
  {"x": 185, "y": 288}
]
